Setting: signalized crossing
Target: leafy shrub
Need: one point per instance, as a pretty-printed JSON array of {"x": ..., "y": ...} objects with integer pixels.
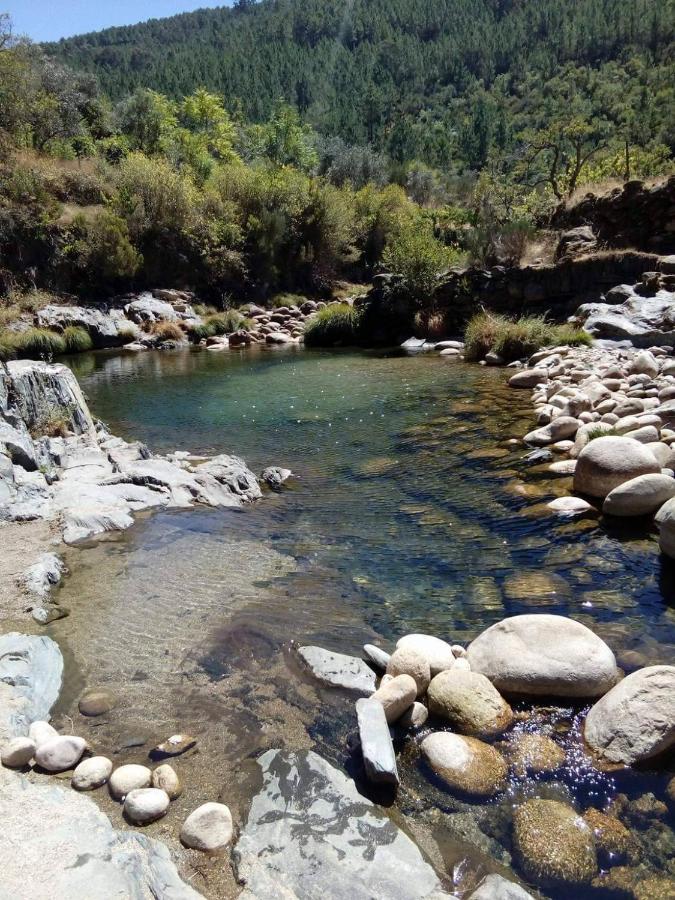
[
  {"x": 514, "y": 338},
  {"x": 419, "y": 258},
  {"x": 77, "y": 340},
  {"x": 334, "y": 326},
  {"x": 167, "y": 331}
]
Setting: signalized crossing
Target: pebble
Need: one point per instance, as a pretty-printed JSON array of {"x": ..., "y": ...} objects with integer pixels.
[
  {"x": 378, "y": 657},
  {"x": 208, "y": 828},
  {"x": 17, "y": 752},
  {"x": 92, "y": 773},
  {"x": 174, "y": 746},
  {"x": 129, "y": 778},
  {"x": 143, "y": 805},
  {"x": 165, "y": 778},
  {"x": 415, "y": 716},
  {"x": 60, "y": 753}
]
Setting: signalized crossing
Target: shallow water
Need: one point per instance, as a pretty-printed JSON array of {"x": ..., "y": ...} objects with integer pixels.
[{"x": 410, "y": 512}]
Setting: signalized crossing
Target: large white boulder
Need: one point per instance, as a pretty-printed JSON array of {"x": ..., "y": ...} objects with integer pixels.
[
  {"x": 636, "y": 719},
  {"x": 469, "y": 702},
  {"x": 606, "y": 462},
  {"x": 437, "y": 652},
  {"x": 544, "y": 654},
  {"x": 640, "y": 496}
]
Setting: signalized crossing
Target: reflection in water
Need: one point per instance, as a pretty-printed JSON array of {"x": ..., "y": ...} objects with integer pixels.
[{"x": 410, "y": 512}]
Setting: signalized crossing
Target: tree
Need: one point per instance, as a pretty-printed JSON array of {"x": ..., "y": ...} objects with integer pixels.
[{"x": 148, "y": 118}]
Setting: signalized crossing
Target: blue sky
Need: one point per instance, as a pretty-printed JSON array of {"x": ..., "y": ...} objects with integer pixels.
[{"x": 48, "y": 20}]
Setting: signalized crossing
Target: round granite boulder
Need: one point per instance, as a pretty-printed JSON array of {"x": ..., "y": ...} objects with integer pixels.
[
  {"x": 465, "y": 764},
  {"x": 606, "y": 462},
  {"x": 543, "y": 654},
  {"x": 469, "y": 702}
]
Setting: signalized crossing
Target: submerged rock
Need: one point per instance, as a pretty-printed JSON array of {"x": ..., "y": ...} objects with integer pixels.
[
  {"x": 469, "y": 702},
  {"x": 208, "y": 828},
  {"x": 535, "y": 754},
  {"x": 494, "y": 887},
  {"x": 465, "y": 764},
  {"x": 613, "y": 840},
  {"x": 376, "y": 746},
  {"x": 176, "y": 745},
  {"x": 338, "y": 669},
  {"x": 636, "y": 719},
  {"x": 544, "y": 654},
  {"x": 311, "y": 834},
  {"x": 96, "y": 702}
]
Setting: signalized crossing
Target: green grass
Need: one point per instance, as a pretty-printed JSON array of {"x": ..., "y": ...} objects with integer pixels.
[
  {"x": 516, "y": 338},
  {"x": 36, "y": 343},
  {"x": 334, "y": 326},
  {"x": 220, "y": 323},
  {"x": 77, "y": 340}
]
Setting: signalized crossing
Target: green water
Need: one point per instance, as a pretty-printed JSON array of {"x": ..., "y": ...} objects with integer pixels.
[{"x": 410, "y": 511}]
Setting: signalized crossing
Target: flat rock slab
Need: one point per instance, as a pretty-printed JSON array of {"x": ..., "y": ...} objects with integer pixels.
[
  {"x": 310, "y": 834},
  {"x": 338, "y": 670},
  {"x": 31, "y": 668},
  {"x": 80, "y": 854},
  {"x": 376, "y": 745}
]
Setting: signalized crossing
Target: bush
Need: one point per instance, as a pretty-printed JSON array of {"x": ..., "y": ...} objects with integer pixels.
[
  {"x": 333, "y": 326},
  {"x": 167, "y": 331},
  {"x": 77, "y": 340},
  {"x": 515, "y": 338},
  {"x": 419, "y": 258},
  {"x": 38, "y": 343}
]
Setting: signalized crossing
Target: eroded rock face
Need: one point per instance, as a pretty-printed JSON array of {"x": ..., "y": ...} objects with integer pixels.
[
  {"x": 607, "y": 462},
  {"x": 311, "y": 834},
  {"x": 90, "y": 859},
  {"x": 636, "y": 719},
  {"x": 645, "y": 321},
  {"x": 31, "y": 669},
  {"x": 544, "y": 654}
]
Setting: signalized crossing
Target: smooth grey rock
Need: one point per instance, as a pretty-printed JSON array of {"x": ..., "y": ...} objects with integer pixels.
[
  {"x": 376, "y": 745},
  {"x": 61, "y": 753},
  {"x": 17, "y": 752},
  {"x": 91, "y": 773},
  {"x": 78, "y": 853},
  {"x": 528, "y": 378},
  {"x": 128, "y": 778},
  {"x": 18, "y": 445},
  {"x": 378, "y": 657},
  {"x": 414, "y": 717},
  {"x": 640, "y": 496},
  {"x": 607, "y": 462},
  {"x": 43, "y": 575},
  {"x": 41, "y": 732},
  {"x": 494, "y": 887},
  {"x": 408, "y": 661},
  {"x": 143, "y": 805},
  {"x": 208, "y": 828},
  {"x": 338, "y": 670},
  {"x": 665, "y": 522},
  {"x": 31, "y": 669},
  {"x": 311, "y": 834},
  {"x": 275, "y": 476}
]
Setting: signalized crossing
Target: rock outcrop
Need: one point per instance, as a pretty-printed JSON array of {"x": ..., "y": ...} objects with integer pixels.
[{"x": 31, "y": 669}]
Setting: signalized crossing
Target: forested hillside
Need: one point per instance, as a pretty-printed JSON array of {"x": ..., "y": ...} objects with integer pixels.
[{"x": 443, "y": 81}]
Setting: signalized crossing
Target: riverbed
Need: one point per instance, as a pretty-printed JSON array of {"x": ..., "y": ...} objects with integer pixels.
[{"x": 413, "y": 508}]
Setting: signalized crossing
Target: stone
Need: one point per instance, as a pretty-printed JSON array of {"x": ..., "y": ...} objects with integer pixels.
[
  {"x": 570, "y": 506},
  {"x": 43, "y": 575},
  {"x": 665, "y": 522},
  {"x": 528, "y": 378},
  {"x": 559, "y": 429},
  {"x": 535, "y": 754},
  {"x": 469, "y": 702},
  {"x": 563, "y": 467},
  {"x": 543, "y": 654},
  {"x": 96, "y": 703},
  {"x": 41, "y": 732},
  {"x": 91, "y": 773},
  {"x": 60, "y": 753},
  {"x": 310, "y": 833},
  {"x": 607, "y": 462},
  {"x": 465, "y": 764},
  {"x": 642, "y": 320},
  {"x": 414, "y": 717},
  {"x": 643, "y": 363},
  {"x": 635, "y": 721},
  {"x": 396, "y": 696},
  {"x": 495, "y": 887},
  {"x": 78, "y": 853},
  {"x": 438, "y": 653},
  {"x": 614, "y": 842},
  {"x": 378, "y": 657},
  {"x": 553, "y": 845},
  {"x": 407, "y": 661},
  {"x": 31, "y": 669},
  {"x": 147, "y": 308},
  {"x": 165, "y": 778},
  {"x": 144, "y": 805},
  {"x": 176, "y": 745},
  {"x": 127, "y": 778},
  {"x": 17, "y": 752},
  {"x": 376, "y": 746},
  {"x": 338, "y": 670},
  {"x": 208, "y": 828},
  {"x": 275, "y": 476},
  {"x": 640, "y": 496}
]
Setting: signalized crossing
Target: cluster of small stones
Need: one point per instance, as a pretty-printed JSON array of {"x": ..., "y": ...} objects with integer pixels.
[
  {"x": 609, "y": 415},
  {"x": 462, "y": 694},
  {"x": 445, "y": 348},
  {"x": 145, "y": 794}
]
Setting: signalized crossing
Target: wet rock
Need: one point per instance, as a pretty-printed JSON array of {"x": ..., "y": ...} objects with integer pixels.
[
  {"x": 31, "y": 668},
  {"x": 396, "y": 696},
  {"x": 338, "y": 670},
  {"x": 164, "y": 778},
  {"x": 128, "y": 778},
  {"x": 535, "y": 754},
  {"x": 544, "y": 654},
  {"x": 636, "y": 719},
  {"x": 208, "y": 828},
  {"x": 613, "y": 841},
  {"x": 465, "y": 764},
  {"x": 469, "y": 702},
  {"x": 528, "y": 378},
  {"x": 376, "y": 746},
  {"x": 438, "y": 653},
  {"x": 144, "y": 805},
  {"x": 17, "y": 752},
  {"x": 494, "y": 887},
  {"x": 607, "y": 462},
  {"x": 43, "y": 575},
  {"x": 407, "y": 661},
  {"x": 665, "y": 522},
  {"x": 378, "y": 657},
  {"x": 311, "y": 834},
  {"x": 645, "y": 811},
  {"x": 78, "y": 853},
  {"x": 173, "y": 746},
  {"x": 414, "y": 717},
  {"x": 640, "y": 496},
  {"x": 60, "y": 753},
  {"x": 91, "y": 773},
  {"x": 570, "y": 506},
  {"x": 554, "y": 845},
  {"x": 96, "y": 703},
  {"x": 275, "y": 476}
]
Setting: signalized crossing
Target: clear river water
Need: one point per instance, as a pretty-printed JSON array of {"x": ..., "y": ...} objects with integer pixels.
[{"x": 412, "y": 509}]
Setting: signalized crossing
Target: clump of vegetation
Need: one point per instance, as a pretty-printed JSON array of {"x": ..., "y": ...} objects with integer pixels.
[
  {"x": 77, "y": 340},
  {"x": 420, "y": 259},
  {"x": 218, "y": 323},
  {"x": 601, "y": 431},
  {"x": 334, "y": 326},
  {"x": 127, "y": 334},
  {"x": 515, "y": 338},
  {"x": 167, "y": 331},
  {"x": 38, "y": 343}
]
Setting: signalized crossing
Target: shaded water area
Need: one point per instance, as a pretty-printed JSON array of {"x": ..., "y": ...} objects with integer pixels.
[{"x": 410, "y": 512}]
